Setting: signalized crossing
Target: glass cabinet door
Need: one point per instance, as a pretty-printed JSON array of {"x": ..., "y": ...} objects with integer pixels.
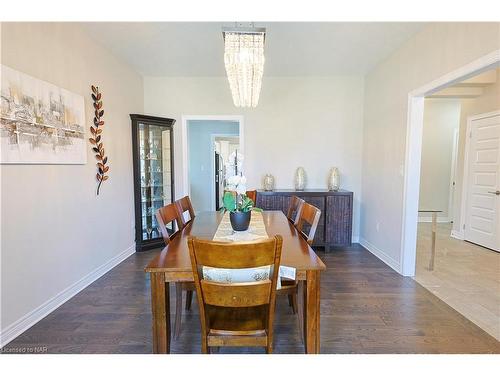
[{"x": 155, "y": 175}]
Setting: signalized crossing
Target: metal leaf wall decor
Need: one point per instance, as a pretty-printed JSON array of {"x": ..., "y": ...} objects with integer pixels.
[{"x": 96, "y": 139}]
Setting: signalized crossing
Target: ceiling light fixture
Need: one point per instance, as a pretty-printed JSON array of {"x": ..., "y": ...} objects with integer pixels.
[{"x": 244, "y": 61}]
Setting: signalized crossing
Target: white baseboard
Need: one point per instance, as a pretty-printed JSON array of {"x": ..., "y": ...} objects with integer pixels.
[
  {"x": 33, "y": 317},
  {"x": 394, "y": 264},
  {"x": 428, "y": 219},
  {"x": 457, "y": 234},
  {"x": 355, "y": 239}
]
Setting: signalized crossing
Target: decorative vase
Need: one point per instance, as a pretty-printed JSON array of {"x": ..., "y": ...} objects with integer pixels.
[
  {"x": 268, "y": 182},
  {"x": 300, "y": 179},
  {"x": 334, "y": 179},
  {"x": 240, "y": 221}
]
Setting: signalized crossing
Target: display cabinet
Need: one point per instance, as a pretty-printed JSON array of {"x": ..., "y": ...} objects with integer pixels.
[{"x": 153, "y": 163}]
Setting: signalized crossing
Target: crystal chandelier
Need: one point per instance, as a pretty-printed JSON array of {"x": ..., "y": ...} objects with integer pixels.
[{"x": 244, "y": 61}]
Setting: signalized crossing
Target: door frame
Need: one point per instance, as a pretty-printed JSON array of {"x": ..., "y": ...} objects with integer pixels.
[
  {"x": 414, "y": 127},
  {"x": 453, "y": 174},
  {"x": 184, "y": 171},
  {"x": 465, "y": 180},
  {"x": 212, "y": 148}
]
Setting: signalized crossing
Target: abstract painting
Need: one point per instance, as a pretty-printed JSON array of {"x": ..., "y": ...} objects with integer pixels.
[{"x": 40, "y": 123}]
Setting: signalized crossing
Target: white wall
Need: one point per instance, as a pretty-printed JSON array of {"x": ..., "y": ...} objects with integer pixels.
[
  {"x": 436, "y": 50},
  {"x": 316, "y": 123},
  {"x": 55, "y": 230},
  {"x": 441, "y": 119}
]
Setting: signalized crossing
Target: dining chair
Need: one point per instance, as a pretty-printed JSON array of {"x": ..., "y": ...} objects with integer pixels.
[
  {"x": 184, "y": 205},
  {"x": 309, "y": 216},
  {"x": 164, "y": 216},
  {"x": 294, "y": 208},
  {"x": 236, "y": 313},
  {"x": 289, "y": 287},
  {"x": 252, "y": 194}
]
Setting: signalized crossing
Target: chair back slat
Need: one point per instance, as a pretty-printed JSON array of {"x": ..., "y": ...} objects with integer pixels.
[
  {"x": 308, "y": 215},
  {"x": 231, "y": 255},
  {"x": 165, "y": 215},
  {"x": 294, "y": 209},
  {"x": 236, "y": 295}
]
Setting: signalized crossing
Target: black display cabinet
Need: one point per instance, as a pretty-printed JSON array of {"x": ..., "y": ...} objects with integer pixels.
[{"x": 153, "y": 162}]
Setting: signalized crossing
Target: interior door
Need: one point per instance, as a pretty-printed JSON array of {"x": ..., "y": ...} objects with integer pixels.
[{"x": 482, "y": 216}]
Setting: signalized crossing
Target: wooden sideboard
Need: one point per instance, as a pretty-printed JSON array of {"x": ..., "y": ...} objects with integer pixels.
[{"x": 335, "y": 224}]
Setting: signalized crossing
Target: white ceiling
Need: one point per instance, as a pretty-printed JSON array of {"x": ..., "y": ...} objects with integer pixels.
[{"x": 292, "y": 48}]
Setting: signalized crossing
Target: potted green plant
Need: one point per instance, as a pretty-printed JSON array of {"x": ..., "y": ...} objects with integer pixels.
[{"x": 235, "y": 201}]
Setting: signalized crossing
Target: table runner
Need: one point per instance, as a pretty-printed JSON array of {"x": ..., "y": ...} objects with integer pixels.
[{"x": 256, "y": 231}]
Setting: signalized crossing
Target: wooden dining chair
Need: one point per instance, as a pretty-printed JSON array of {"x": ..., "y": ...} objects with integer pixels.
[
  {"x": 289, "y": 287},
  {"x": 252, "y": 194},
  {"x": 294, "y": 209},
  {"x": 184, "y": 205},
  {"x": 165, "y": 215},
  {"x": 236, "y": 313},
  {"x": 308, "y": 217}
]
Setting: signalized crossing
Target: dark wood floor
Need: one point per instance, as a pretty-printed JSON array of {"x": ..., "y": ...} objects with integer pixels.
[{"x": 366, "y": 307}]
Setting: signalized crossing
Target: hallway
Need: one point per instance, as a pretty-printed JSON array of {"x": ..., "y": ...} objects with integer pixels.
[{"x": 465, "y": 276}]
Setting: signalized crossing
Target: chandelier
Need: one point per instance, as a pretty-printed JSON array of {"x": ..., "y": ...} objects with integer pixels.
[{"x": 244, "y": 61}]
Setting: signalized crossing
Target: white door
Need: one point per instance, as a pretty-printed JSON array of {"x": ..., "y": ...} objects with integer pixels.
[{"x": 482, "y": 215}]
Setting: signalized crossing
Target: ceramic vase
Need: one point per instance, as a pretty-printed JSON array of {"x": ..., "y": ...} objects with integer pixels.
[
  {"x": 300, "y": 179},
  {"x": 268, "y": 182},
  {"x": 334, "y": 179},
  {"x": 240, "y": 221}
]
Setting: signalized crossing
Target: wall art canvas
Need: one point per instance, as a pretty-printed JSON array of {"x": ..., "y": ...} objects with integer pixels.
[{"x": 40, "y": 123}]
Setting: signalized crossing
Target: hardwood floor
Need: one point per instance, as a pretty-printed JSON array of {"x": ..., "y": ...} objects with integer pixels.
[
  {"x": 366, "y": 307},
  {"x": 465, "y": 276}
]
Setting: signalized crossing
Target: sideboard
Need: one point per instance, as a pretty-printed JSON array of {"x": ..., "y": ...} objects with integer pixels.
[{"x": 335, "y": 224}]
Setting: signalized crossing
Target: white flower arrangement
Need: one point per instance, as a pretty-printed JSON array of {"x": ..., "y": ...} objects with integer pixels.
[{"x": 237, "y": 184}]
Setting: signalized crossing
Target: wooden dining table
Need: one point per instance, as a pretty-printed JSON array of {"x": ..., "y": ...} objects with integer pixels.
[{"x": 173, "y": 265}]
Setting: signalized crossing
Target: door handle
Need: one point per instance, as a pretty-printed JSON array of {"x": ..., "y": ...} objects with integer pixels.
[{"x": 494, "y": 192}]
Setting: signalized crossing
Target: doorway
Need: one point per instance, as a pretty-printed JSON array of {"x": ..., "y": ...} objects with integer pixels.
[
  {"x": 199, "y": 135},
  {"x": 223, "y": 148},
  {"x": 454, "y": 257},
  {"x": 414, "y": 149}
]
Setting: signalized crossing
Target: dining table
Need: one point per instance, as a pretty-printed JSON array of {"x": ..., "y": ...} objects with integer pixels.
[{"x": 173, "y": 265}]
